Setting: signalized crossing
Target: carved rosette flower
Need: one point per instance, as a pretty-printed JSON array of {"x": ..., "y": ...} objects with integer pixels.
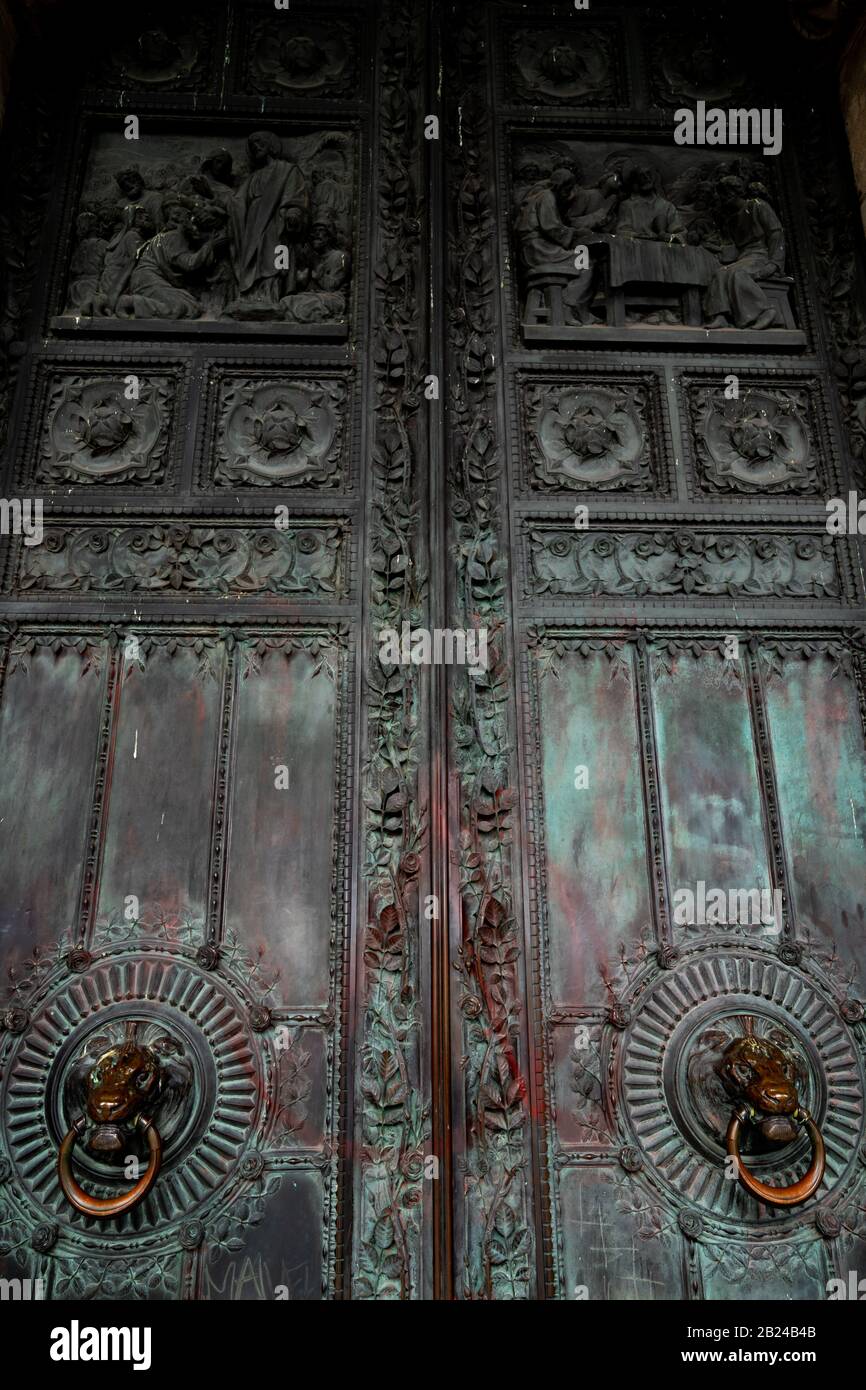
[
  {"x": 312, "y": 61},
  {"x": 790, "y": 952},
  {"x": 588, "y": 438},
  {"x": 191, "y": 1235},
  {"x": 691, "y": 1224},
  {"x": 759, "y": 442},
  {"x": 631, "y": 1159},
  {"x": 828, "y": 1223},
  {"x": 548, "y": 65},
  {"x": 44, "y": 1238},
  {"x": 167, "y": 56},
  {"x": 693, "y": 64},
  {"x": 281, "y": 433},
  {"x": 251, "y": 1167},
  {"x": 97, "y": 434}
]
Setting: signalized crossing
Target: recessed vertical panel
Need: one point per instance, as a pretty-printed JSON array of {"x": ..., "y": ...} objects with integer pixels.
[
  {"x": 280, "y": 871},
  {"x": 157, "y": 837},
  {"x": 49, "y": 728},
  {"x": 251, "y": 1265},
  {"x": 817, "y": 740},
  {"x": 709, "y": 780},
  {"x": 606, "y": 1254},
  {"x": 595, "y": 848}
]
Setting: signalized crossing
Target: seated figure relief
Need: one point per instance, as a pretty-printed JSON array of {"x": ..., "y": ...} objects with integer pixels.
[
  {"x": 254, "y": 230},
  {"x": 645, "y": 244}
]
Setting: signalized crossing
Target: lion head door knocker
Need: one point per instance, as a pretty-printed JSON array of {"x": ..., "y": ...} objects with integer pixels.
[
  {"x": 115, "y": 1091},
  {"x": 748, "y": 1084},
  {"x": 760, "y": 1074}
]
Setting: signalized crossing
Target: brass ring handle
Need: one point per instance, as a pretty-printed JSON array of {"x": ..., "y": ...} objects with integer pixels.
[
  {"x": 778, "y": 1196},
  {"x": 105, "y": 1207}
]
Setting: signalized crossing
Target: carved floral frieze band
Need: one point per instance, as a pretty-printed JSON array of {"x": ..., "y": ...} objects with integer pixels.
[
  {"x": 657, "y": 563},
  {"x": 176, "y": 557}
]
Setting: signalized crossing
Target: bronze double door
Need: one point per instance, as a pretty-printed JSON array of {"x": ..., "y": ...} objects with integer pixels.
[{"x": 424, "y": 976}]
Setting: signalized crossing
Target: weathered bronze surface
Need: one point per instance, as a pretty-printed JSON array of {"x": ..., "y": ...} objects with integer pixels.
[{"x": 403, "y": 939}]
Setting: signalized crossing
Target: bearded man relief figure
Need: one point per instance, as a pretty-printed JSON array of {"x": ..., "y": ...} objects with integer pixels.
[{"x": 267, "y": 219}]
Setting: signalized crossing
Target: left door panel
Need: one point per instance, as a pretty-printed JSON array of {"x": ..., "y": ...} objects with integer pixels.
[{"x": 158, "y": 875}]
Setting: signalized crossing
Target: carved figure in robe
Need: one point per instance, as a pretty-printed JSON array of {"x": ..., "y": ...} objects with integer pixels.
[
  {"x": 269, "y": 209},
  {"x": 645, "y": 214},
  {"x": 756, "y": 250},
  {"x": 546, "y": 242},
  {"x": 95, "y": 226},
  {"x": 134, "y": 192},
  {"x": 120, "y": 259},
  {"x": 164, "y": 266},
  {"x": 324, "y": 280}
]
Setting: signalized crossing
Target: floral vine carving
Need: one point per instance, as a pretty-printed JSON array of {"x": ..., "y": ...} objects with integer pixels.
[
  {"x": 498, "y": 1242},
  {"x": 178, "y": 558},
  {"x": 394, "y": 1119},
  {"x": 660, "y": 562}
]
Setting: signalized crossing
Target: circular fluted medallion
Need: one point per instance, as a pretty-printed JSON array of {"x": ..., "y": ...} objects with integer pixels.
[
  {"x": 676, "y": 1107},
  {"x": 214, "y": 1097}
]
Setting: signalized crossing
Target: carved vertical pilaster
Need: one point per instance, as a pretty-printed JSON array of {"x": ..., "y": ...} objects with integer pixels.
[
  {"x": 498, "y": 1258},
  {"x": 392, "y": 1115}
]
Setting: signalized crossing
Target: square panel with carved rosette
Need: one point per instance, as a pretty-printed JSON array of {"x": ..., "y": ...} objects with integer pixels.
[
  {"x": 592, "y": 432},
  {"x": 691, "y": 60},
  {"x": 158, "y": 49},
  {"x": 276, "y": 430},
  {"x": 303, "y": 54},
  {"x": 547, "y": 63},
  {"x": 106, "y": 425},
  {"x": 757, "y": 436}
]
